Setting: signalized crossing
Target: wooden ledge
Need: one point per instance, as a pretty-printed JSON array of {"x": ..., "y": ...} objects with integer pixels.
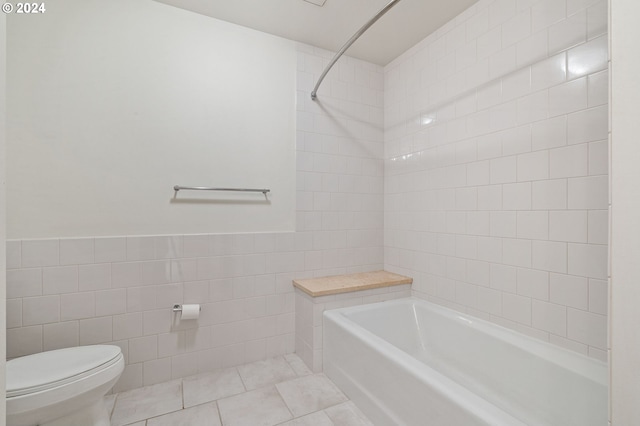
[{"x": 337, "y": 284}]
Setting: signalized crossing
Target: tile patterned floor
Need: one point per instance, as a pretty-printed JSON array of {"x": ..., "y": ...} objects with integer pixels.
[{"x": 277, "y": 391}]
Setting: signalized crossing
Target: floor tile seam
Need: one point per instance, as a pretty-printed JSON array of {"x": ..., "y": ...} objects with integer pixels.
[
  {"x": 241, "y": 379},
  {"x": 182, "y": 391},
  {"x": 347, "y": 399},
  {"x": 158, "y": 415},
  {"x": 284, "y": 402},
  {"x": 205, "y": 403},
  {"x": 275, "y": 384},
  {"x": 219, "y": 413},
  {"x": 245, "y": 392},
  {"x": 295, "y": 376},
  {"x": 218, "y": 399},
  {"x": 255, "y": 390},
  {"x": 290, "y": 365},
  {"x": 143, "y": 388},
  {"x": 183, "y": 409},
  {"x": 153, "y": 417},
  {"x": 244, "y": 387},
  {"x": 324, "y": 410},
  {"x": 309, "y": 414},
  {"x": 113, "y": 407},
  {"x": 203, "y": 374}
]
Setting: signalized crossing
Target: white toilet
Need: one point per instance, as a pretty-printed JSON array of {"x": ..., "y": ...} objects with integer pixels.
[{"x": 64, "y": 387}]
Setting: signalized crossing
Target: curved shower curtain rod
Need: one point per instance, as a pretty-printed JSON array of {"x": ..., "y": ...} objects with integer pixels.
[{"x": 348, "y": 44}]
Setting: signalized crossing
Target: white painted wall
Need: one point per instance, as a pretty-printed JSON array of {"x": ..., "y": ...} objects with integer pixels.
[
  {"x": 112, "y": 103},
  {"x": 625, "y": 203},
  {"x": 3, "y": 230}
]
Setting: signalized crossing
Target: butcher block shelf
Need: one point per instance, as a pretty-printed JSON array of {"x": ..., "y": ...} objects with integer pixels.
[{"x": 337, "y": 284}]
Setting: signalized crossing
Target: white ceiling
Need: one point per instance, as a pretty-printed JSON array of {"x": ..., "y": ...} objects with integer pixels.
[{"x": 333, "y": 24}]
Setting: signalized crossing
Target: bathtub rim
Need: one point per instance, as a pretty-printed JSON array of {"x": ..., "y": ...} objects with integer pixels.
[
  {"x": 591, "y": 368},
  {"x": 460, "y": 396}
]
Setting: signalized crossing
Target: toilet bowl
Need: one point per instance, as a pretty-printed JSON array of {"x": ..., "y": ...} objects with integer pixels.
[{"x": 62, "y": 387}]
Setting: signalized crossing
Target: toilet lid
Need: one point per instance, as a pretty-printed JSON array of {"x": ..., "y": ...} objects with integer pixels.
[{"x": 41, "y": 371}]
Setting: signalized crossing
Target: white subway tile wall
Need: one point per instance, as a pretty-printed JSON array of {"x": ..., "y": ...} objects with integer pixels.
[
  {"x": 309, "y": 310},
  {"x": 120, "y": 290},
  {"x": 496, "y": 167}
]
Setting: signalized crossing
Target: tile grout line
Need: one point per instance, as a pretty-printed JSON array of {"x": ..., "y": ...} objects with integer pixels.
[
  {"x": 182, "y": 392},
  {"x": 241, "y": 379},
  {"x": 219, "y": 413},
  {"x": 285, "y": 403}
]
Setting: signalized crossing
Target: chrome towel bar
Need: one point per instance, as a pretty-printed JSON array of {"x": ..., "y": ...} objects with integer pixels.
[{"x": 206, "y": 188}]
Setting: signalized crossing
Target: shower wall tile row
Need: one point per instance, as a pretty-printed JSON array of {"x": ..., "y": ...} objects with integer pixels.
[
  {"x": 496, "y": 167},
  {"x": 120, "y": 289}
]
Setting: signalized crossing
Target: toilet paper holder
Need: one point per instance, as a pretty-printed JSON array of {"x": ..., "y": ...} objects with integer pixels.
[{"x": 178, "y": 308}]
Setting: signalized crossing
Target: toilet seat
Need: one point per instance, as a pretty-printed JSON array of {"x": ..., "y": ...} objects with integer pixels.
[
  {"x": 48, "y": 370},
  {"x": 64, "y": 387}
]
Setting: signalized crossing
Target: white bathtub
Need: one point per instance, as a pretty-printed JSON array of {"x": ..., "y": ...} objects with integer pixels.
[{"x": 410, "y": 362}]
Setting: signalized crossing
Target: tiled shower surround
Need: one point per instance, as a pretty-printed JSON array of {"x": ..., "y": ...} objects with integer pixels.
[
  {"x": 488, "y": 186},
  {"x": 496, "y": 166},
  {"x": 65, "y": 292}
]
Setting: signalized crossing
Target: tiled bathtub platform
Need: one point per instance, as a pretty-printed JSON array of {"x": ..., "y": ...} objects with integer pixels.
[
  {"x": 277, "y": 391},
  {"x": 314, "y": 296}
]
